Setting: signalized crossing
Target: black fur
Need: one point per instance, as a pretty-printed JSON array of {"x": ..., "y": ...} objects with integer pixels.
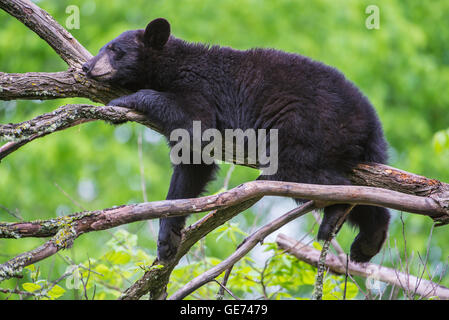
[{"x": 326, "y": 125}]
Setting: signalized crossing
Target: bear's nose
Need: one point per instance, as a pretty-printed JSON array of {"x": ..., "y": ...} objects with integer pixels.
[{"x": 86, "y": 67}]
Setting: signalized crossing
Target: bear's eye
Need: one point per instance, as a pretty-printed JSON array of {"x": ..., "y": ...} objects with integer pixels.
[{"x": 117, "y": 51}]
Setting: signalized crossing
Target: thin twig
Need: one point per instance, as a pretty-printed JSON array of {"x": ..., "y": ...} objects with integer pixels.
[
  {"x": 227, "y": 290},
  {"x": 15, "y": 215},
  {"x": 76, "y": 203},
  {"x": 319, "y": 282},
  {"x": 220, "y": 293}
]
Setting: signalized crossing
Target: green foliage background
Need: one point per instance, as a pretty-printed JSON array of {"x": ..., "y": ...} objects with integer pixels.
[{"x": 403, "y": 67}]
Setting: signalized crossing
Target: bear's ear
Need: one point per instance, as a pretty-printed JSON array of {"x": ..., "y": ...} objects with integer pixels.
[{"x": 156, "y": 34}]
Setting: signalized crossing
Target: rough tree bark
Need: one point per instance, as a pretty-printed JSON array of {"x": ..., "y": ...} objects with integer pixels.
[{"x": 378, "y": 184}]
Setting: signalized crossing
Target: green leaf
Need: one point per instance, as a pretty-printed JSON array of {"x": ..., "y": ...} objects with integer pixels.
[
  {"x": 142, "y": 255},
  {"x": 122, "y": 238},
  {"x": 31, "y": 267},
  {"x": 213, "y": 261},
  {"x": 270, "y": 246},
  {"x": 280, "y": 295},
  {"x": 31, "y": 287},
  {"x": 104, "y": 270},
  {"x": 308, "y": 277},
  {"x": 118, "y": 257},
  {"x": 157, "y": 266},
  {"x": 317, "y": 245},
  {"x": 441, "y": 141},
  {"x": 332, "y": 295},
  {"x": 287, "y": 262},
  {"x": 224, "y": 232},
  {"x": 56, "y": 292},
  {"x": 232, "y": 236}
]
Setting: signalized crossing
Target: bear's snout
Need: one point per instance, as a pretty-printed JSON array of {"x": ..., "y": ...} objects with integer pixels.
[
  {"x": 86, "y": 67},
  {"x": 99, "y": 67}
]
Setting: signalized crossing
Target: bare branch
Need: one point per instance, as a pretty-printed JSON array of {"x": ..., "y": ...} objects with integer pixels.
[
  {"x": 68, "y": 116},
  {"x": 66, "y": 229},
  {"x": 64, "y": 117},
  {"x": 55, "y": 85},
  {"x": 108, "y": 218},
  {"x": 234, "y": 199},
  {"x": 39, "y": 85},
  {"x": 22, "y": 293},
  {"x": 14, "y": 267},
  {"x": 383, "y": 176},
  {"x": 303, "y": 252}
]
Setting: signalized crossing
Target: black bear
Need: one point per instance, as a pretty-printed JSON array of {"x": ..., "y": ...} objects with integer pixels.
[{"x": 325, "y": 124}]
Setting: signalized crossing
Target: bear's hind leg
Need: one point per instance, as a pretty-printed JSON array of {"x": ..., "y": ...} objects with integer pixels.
[
  {"x": 331, "y": 216},
  {"x": 373, "y": 229},
  {"x": 188, "y": 181}
]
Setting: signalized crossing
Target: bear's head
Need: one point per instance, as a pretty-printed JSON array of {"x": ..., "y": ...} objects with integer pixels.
[{"x": 126, "y": 60}]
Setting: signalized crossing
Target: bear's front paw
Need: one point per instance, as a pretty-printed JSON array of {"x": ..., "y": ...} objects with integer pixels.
[{"x": 124, "y": 102}]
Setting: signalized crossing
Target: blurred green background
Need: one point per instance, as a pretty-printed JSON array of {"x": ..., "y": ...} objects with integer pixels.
[{"x": 403, "y": 68}]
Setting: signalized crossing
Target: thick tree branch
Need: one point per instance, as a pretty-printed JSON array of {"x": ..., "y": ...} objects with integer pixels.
[
  {"x": 109, "y": 218},
  {"x": 235, "y": 200},
  {"x": 310, "y": 255},
  {"x": 64, "y": 230},
  {"x": 14, "y": 267},
  {"x": 64, "y": 117},
  {"x": 383, "y": 176},
  {"x": 55, "y": 85}
]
